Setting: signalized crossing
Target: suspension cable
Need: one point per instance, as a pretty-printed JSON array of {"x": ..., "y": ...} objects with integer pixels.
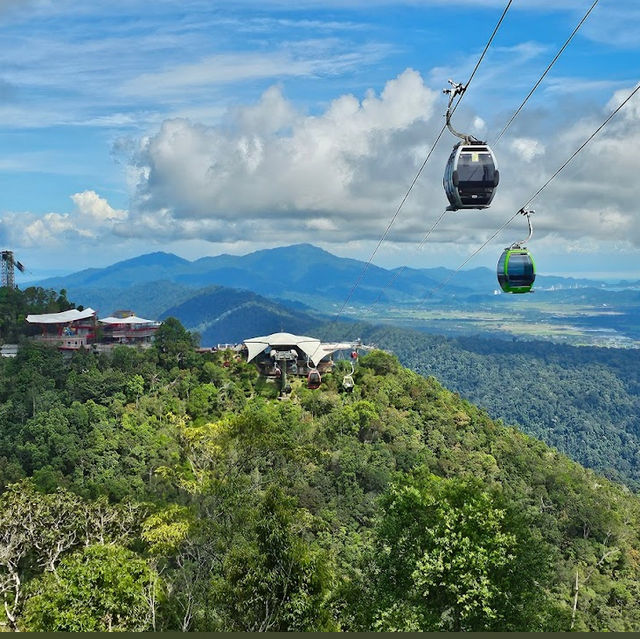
[
  {"x": 461, "y": 91},
  {"x": 401, "y": 270},
  {"x": 419, "y": 173},
  {"x": 386, "y": 232},
  {"x": 542, "y": 188},
  {"x": 537, "y": 84}
]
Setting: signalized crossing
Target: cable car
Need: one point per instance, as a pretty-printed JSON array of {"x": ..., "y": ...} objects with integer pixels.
[
  {"x": 516, "y": 270},
  {"x": 314, "y": 379},
  {"x": 348, "y": 383},
  {"x": 347, "y": 380},
  {"x": 471, "y": 176}
]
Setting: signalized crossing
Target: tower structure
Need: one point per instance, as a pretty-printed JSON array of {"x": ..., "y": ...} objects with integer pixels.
[{"x": 8, "y": 264}]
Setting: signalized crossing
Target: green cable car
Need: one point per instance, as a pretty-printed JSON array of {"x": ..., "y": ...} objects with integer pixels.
[{"x": 516, "y": 268}]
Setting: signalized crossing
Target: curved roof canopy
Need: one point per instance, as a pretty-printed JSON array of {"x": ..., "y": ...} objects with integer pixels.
[
  {"x": 327, "y": 349},
  {"x": 308, "y": 345},
  {"x": 65, "y": 317}
]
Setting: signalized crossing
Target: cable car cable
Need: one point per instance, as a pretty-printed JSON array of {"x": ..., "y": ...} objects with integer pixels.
[
  {"x": 453, "y": 110},
  {"x": 544, "y": 186},
  {"x": 486, "y": 48},
  {"x": 386, "y": 232},
  {"x": 419, "y": 173},
  {"x": 573, "y": 155},
  {"x": 537, "y": 84},
  {"x": 401, "y": 270}
]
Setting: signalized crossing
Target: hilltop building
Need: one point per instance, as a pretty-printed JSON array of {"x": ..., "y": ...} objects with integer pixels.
[
  {"x": 74, "y": 329},
  {"x": 131, "y": 330},
  {"x": 69, "y": 330},
  {"x": 298, "y": 354}
]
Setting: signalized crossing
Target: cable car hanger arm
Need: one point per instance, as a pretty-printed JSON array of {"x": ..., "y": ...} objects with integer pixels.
[
  {"x": 456, "y": 89},
  {"x": 527, "y": 214}
]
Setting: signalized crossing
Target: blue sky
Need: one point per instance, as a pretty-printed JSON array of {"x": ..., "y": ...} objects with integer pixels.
[{"x": 202, "y": 127}]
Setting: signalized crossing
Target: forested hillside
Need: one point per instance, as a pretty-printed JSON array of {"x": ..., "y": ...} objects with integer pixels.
[
  {"x": 223, "y": 315},
  {"x": 585, "y": 401},
  {"x": 166, "y": 490}
]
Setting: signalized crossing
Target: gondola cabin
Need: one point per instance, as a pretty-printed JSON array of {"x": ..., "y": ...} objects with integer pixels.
[
  {"x": 471, "y": 176},
  {"x": 314, "y": 379},
  {"x": 516, "y": 270}
]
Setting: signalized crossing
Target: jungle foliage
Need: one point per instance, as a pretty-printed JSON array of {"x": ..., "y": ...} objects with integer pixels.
[
  {"x": 168, "y": 490},
  {"x": 584, "y": 401}
]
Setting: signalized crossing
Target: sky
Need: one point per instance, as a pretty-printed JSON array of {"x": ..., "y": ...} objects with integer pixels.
[{"x": 201, "y": 127}]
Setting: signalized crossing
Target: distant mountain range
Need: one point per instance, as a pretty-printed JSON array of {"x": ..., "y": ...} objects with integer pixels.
[
  {"x": 299, "y": 272},
  {"x": 293, "y": 287}
]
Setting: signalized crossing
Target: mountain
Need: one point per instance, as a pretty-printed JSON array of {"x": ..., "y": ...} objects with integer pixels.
[
  {"x": 168, "y": 490},
  {"x": 148, "y": 300},
  {"x": 222, "y": 316},
  {"x": 578, "y": 310},
  {"x": 144, "y": 268},
  {"x": 301, "y": 272}
]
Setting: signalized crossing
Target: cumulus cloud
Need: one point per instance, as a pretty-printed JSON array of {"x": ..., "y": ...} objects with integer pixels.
[
  {"x": 96, "y": 208},
  {"x": 90, "y": 221},
  {"x": 273, "y": 174},
  {"x": 272, "y": 162},
  {"x": 527, "y": 148}
]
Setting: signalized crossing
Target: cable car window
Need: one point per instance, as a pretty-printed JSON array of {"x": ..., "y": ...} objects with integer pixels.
[
  {"x": 477, "y": 168},
  {"x": 520, "y": 270},
  {"x": 503, "y": 259}
]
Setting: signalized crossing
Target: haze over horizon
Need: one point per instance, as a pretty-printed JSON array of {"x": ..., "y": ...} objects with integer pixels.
[{"x": 199, "y": 129}]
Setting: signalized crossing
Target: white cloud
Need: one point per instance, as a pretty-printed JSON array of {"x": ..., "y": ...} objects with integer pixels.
[
  {"x": 322, "y": 224},
  {"x": 311, "y": 58},
  {"x": 527, "y": 148},
  {"x": 91, "y": 220},
  {"x": 276, "y": 163},
  {"x": 273, "y": 174},
  {"x": 90, "y": 204}
]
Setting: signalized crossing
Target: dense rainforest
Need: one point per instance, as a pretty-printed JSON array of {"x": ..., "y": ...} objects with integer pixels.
[
  {"x": 171, "y": 490},
  {"x": 582, "y": 400}
]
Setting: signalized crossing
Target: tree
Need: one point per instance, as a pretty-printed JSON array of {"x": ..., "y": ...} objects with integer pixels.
[
  {"x": 448, "y": 556},
  {"x": 37, "y": 529},
  {"x": 174, "y": 344},
  {"x": 278, "y": 581},
  {"x": 101, "y": 588}
]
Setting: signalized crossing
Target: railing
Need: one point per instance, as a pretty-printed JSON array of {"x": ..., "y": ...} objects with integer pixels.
[{"x": 129, "y": 333}]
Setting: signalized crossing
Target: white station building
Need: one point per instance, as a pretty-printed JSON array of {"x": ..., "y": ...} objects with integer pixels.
[{"x": 302, "y": 353}]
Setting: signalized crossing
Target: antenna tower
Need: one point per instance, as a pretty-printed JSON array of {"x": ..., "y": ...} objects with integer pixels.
[{"x": 8, "y": 264}]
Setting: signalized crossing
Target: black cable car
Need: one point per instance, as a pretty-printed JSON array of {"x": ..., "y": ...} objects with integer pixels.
[
  {"x": 314, "y": 379},
  {"x": 516, "y": 268},
  {"x": 471, "y": 175}
]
